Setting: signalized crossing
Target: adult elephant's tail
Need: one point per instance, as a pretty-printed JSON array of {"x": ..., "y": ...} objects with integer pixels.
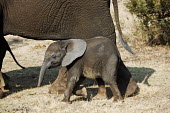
[
  {"x": 9, "y": 49},
  {"x": 116, "y": 15}
]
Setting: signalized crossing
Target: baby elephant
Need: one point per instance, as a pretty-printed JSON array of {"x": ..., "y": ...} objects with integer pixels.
[{"x": 92, "y": 58}]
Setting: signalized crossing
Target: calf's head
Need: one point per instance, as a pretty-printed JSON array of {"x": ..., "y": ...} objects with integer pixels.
[{"x": 61, "y": 53}]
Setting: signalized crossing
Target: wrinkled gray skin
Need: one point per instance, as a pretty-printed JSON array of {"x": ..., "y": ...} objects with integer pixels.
[
  {"x": 57, "y": 19},
  {"x": 91, "y": 58}
]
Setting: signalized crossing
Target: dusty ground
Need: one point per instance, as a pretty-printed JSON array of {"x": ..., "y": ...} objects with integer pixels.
[{"x": 150, "y": 68}]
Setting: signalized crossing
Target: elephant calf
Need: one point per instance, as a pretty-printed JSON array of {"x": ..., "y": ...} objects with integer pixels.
[{"x": 92, "y": 58}]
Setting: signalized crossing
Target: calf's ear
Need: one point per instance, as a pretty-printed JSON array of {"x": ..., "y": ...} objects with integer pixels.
[{"x": 75, "y": 48}]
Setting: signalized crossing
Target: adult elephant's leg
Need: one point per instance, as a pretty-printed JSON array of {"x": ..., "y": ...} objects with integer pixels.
[
  {"x": 101, "y": 90},
  {"x": 2, "y": 41},
  {"x": 125, "y": 82},
  {"x": 59, "y": 85},
  {"x": 2, "y": 82},
  {"x": 2, "y": 85},
  {"x": 1, "y": 94},
  {"x": 132, "y": 88},
  {"x": 79, "y": 91},
  {"x": 3, "y": 48},
  {"x": 4, "y": 79}
]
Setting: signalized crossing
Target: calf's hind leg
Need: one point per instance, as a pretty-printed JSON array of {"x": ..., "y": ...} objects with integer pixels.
[
  {"x": 109, "y": 75},
  {"x": 114, "y": 88}
]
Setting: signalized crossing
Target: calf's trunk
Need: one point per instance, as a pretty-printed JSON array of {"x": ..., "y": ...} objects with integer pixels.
[{"x": 42, "y": 73}]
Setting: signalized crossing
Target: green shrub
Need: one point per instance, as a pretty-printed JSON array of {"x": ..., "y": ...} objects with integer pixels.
[{"x": 154, "y": 17}]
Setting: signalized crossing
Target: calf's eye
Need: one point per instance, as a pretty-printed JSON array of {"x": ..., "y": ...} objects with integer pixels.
[{"x": 54, "y": 56}]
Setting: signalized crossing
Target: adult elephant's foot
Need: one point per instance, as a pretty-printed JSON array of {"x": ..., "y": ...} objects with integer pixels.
[
  {"x": 100, "y": 97},
  {"x": 66, "y": 101},
  {"x": 101, "y": 93},
  {"x": 56, "y": 89},
  {"x": 4, "y": 79},
  {"x": 60, "y": 88},
  {"x": 117, "y": 99},
  {"x": 59, "y": 85},
  {"x": 81, "y": 92},
  {"x": 4, "y": 90},
  {"x": 132, "y": 88},
  {"x": 1, "y": 94}
]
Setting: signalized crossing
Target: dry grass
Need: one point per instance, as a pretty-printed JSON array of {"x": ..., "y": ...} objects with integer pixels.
[{"x": 150, "y": 68}]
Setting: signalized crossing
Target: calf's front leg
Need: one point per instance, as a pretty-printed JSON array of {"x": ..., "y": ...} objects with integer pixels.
[{"x": 70, "y": 86}]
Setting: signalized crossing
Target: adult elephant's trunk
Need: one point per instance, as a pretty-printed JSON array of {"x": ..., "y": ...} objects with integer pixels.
[
  {"x": 116, "y": 15},
  {"x": 44, "y": 67}
]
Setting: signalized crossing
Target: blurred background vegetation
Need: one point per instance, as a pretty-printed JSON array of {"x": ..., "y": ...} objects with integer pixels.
[{"x": 154, "y": 18}]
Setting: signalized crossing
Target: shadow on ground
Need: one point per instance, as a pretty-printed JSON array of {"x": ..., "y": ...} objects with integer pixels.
[
  {"x": 139, "y": 74},
  {"x": 28, "y": 78}
]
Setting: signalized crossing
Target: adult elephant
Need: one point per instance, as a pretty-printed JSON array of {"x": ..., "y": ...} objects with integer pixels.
[{"x": 57, "y": 19}]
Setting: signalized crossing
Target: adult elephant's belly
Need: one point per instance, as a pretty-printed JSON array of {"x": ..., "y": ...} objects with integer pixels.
[{"x": 58, "y": 19}]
